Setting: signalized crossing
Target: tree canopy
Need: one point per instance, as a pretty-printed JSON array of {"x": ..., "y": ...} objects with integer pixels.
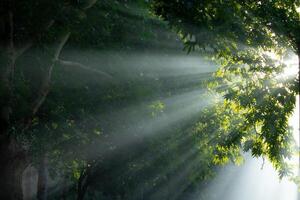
[{"x": 250, "y": 40}]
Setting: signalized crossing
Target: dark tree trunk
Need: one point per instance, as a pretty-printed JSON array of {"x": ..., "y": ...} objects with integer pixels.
[
  {"x": 29, "y": 183},
  {"x": 12, "y": 156},
  {"x": 83, "y": 183},
  {"x": 43, "y": 179},
  {"x": 12, "y": 164},
  {"x": 82, "y": 188},
  {"x": 64, "y": 189}
]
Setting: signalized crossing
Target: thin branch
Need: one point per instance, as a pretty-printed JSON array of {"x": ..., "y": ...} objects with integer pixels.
[
  {"x": 67, "y": 63},
  {"x": 22, "y": 49},
  {"x": 90, "y": 4},
  {"x": 30, "y": 43},
  {"x": 61, "y": 44},
  {"x": 50, "y": 23},
  {"x": 263, "y": 164}
]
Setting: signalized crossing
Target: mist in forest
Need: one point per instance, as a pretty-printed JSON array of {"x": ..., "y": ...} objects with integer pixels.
[{"x": 147, "y": 100}]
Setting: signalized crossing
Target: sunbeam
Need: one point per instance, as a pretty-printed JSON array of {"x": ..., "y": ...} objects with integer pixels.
[
  {"x": 294, "y": 122},
  {"x": 149, "y": 100},
  {"x": 256, "y": 179}
]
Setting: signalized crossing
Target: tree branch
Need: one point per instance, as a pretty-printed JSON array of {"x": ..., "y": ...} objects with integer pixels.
[
  {"x": 22, "y": 49},
  {"x": 30, "y": 43},
  {"x": 67, "y": 63},
  {"x": 45, "y": 86},
  {"x": 89, "y": 4}
]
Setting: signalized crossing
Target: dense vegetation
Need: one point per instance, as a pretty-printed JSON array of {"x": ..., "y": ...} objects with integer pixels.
[{"x": 98, "y": 100}]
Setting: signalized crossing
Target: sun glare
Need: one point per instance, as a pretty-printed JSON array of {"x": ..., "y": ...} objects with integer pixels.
[
  {"x": 294, "y": 122},
  {"x": 291, "y": 62},
  {"x": 291, "y": 67}
]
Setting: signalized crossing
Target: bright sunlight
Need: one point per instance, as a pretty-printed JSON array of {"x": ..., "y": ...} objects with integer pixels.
[{"x": 291, "y": 66}]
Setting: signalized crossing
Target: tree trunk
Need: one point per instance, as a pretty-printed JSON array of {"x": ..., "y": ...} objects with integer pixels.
[
  {"x": 29, "y": 183},
  {"x": 81, "y": 189},
  {"x": 64, "y": 189},
  {"x": 12, "y": 164},
  {"x": 12, "y": 156},
  {"x": 83, "y": 183},
  {"x": 43, "y": 179}
]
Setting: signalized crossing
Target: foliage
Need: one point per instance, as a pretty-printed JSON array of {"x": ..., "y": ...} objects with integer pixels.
[{"x": 240, "y": 37}]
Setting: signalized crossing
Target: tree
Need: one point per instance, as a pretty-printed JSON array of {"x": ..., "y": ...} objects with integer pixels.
[
  {"x": 41, "y": 29},
  {"x": 243, "y": 36}
]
